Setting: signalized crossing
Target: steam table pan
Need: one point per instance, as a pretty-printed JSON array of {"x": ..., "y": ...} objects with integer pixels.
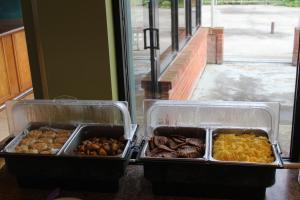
[
  {"x": 105, "y": 169},
  {"x": 206, "y": 176},
  {"x": 61, "y": 169}
]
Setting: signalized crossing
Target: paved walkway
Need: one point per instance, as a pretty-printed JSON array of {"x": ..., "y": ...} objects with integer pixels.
[
  {"x": 247, "y": 30},
  {"x": 256, "y": 64},
  {"x": 242, "y": 81}
]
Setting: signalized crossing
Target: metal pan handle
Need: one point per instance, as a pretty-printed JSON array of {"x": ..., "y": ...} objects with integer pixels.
[
  {"x": 290, "y": 165},
  {"x": 4, "y": 142}
]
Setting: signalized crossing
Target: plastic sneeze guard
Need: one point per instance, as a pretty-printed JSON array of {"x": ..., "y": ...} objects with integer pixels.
[
  {"x": 22, "y": 113},
  {"x": 212, "y": 114}
]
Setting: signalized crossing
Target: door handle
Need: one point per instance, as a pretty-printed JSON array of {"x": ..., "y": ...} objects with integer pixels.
[
  {"x": 155, "y": 32},
  {"x": 145, "y": 38}
]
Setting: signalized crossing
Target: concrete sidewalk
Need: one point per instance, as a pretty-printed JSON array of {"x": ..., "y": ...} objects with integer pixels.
[
  {"x": 244, "y": 81},
  {"x": 247, "y": 30}
]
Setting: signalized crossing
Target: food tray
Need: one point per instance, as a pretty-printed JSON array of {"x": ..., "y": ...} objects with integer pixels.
[
  {"x": 60, "y": 170},
  {"x": 192, "y": 177},
  {"x": 10, "y": 148},
  {"x": 94, "y": 130},
  {"x": 214, "y": 132},
  {"x": 167, "y": 175},
  {"x": 193, "y": 132}
]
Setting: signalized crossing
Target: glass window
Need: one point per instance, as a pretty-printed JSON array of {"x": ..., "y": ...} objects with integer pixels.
[
  {"x": 181, "y": 21},
  {"x": 165, "y": 29},
  {"x": 141, "y": 57},
  {"x": 194, "y": 14}
]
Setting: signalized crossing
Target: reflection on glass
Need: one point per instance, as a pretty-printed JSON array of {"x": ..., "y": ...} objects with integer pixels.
[
  {"x": 257, "y": 66},
  {"x": 165, "y": 28},
  {"x": 181, "y": 20},
  {"x": 194, "y": 15},
  {"x": 141, "y": 58}
]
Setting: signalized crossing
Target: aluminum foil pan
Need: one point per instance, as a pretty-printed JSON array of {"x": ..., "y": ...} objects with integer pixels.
[
  {"x": 95, "y": 130},
  {"x": 194, "y": 132},
  {"x": 10, "y": 147},
  {"x": 258, "y": 132}
]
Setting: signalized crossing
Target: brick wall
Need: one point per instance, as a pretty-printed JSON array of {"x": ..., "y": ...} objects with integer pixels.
[
  {"x": 179, "y": 80},
  {"x": 215, "y": 42},
  {"x": 296, "y": 46}
]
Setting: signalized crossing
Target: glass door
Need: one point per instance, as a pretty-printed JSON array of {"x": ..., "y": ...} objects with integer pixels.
[
  {"x": 151, "y": 42},
  {"x": 153, "y": 25},
  {"x": 141, "y": 58},
  {"x": 165, "y": 16},
  {"x": 159, "y": 38}
]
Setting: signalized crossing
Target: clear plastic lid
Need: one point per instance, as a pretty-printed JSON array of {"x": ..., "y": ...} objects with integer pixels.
[
  {"x": 22, "y": 113},
  {"x": 212, "y": 114}
]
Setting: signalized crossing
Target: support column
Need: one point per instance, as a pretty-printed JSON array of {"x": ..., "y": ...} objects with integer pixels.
[
  {"x": 71, "y": 48},
  {"x": 215, "y": 50}
]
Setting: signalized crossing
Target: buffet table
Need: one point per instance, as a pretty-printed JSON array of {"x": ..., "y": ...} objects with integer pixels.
[
  {"x": 88, "y": 150},
  {"x": 134, "y": 186}
]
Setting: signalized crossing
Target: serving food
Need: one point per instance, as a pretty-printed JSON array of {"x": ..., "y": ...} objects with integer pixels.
[
  {"x": 101, "y": 146},
  {"x": 44, "y": 140},
  {"x": 175, "y": 146},
  {"x": 245, "y": 147}
]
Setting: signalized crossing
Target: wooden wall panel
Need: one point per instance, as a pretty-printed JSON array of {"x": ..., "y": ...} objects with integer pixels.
[
  {"x": 5, "y": 92},
  {"x": 22, "y": 61},
  {"x": 10, "y": 64}
]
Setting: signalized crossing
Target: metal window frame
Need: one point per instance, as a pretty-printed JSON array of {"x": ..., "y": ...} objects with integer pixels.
[
  {"x": 175, "y": 31},
  {"x": 122, "y": 21},
  {"x": 198, "y": 15},
  {"x": 188, "y": 17},
  {"x": 123, "y": 49},
  {"x": 153, "y": 51},
  {"x": 159, "y": 66},
  {"x": 163, "y": 64},
  {"x": 181, "y": 44},
  {"x": 199, "y": 12},
  {"x": 295, "y": 137}
]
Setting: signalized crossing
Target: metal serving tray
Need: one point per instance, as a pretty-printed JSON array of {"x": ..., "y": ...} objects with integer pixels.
[
  {"x": 94, "y": 130},
  {"x": 195, "y": 132},
  {"x": 258, "y": 132},
  {"x": 10, "y": 147}
]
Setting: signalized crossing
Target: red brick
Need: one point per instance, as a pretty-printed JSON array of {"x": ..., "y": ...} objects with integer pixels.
[
  {"x": 215, "y": 45},
  {"x": 179, "y": 80}
]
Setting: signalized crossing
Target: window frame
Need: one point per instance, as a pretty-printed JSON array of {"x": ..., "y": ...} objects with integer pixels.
[
  {"x": 163, "y": 64},
  {"x": 177, "y": 45},
  {"x": 198, "y": 16},
  {"x": 182, "y": 43},
  {"x": 295, "y": 137}
]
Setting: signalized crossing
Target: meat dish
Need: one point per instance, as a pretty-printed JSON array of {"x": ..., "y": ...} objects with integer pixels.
[
  {"x": 100, "y": 146},
  {"x": 175, "y": 146}
]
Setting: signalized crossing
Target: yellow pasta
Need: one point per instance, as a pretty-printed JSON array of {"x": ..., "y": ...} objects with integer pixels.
[{"x": 242, "y": 147}]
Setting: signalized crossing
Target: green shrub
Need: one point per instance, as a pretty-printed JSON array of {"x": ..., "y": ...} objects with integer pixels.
[{"x": 165, "y": 4}]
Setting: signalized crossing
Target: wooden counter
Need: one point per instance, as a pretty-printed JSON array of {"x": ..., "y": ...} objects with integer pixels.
[
  {"x": 133, "y": 186},
  {"x": 15, "y": 77}
]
